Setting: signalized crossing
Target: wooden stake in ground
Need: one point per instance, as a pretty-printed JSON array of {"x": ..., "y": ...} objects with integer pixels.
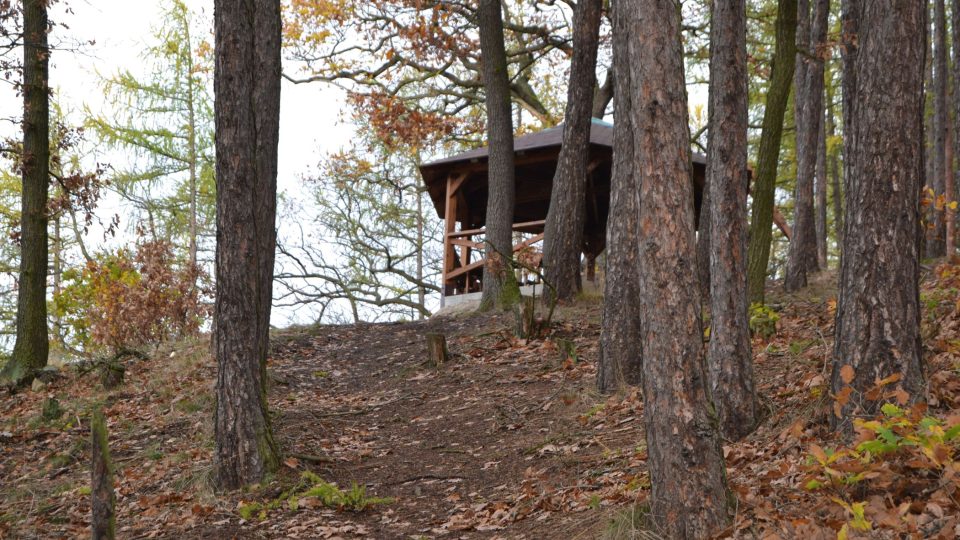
[
  {"x": 437, "y": 353},
  {"x": 102, "y": 498}
]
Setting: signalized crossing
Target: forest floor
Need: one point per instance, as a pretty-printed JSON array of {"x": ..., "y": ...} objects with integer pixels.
[{"x": 507, "y": 440}]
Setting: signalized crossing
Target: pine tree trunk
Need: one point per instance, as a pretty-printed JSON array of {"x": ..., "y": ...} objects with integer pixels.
[
  {"x": 768, "y": 154},
  {"x": 563, "y": 235},
  {"x": 936, "y": 233},
  {"x": 802, "y": 255},
  {"x": 730, "y": 358},
  {"x": 688, "y": 496},
  {"x": 878, "y": 316},
  {"x": 247, "y": 109},
  {"x": 32, "y": 346},
  {"x": 500, "y": 288},
  {"x": 621, "y": 358}
]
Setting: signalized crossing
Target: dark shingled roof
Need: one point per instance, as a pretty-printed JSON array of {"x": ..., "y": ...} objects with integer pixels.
[
  {"x": 537, "y": 155},
  {"x": 601, "y": 134}
]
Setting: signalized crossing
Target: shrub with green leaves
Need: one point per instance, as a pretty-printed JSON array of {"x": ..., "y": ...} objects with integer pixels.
[
  {"x": 763, "y": 320},
  {"x": 126, "y": 300}
]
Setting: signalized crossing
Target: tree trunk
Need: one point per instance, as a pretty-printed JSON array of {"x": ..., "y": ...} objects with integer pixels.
[
  {"x": 32, "y": 346},
  {"x": 247, "y": 106},
  {"x": 820, "y": 193},
  {"x": 834, "y": 164},
  {"x": 563, "y": 234},
  {"x": 704, "y": 240},
  {"x": 500, "y": 288},
  {"x": 191, "y": 146},
  {"x": 878, "y": 316},
  {"x": 688, "y": 496},
  {"x": 953, "y": 180},
  {"x": 949, "y": 238},
  {"x": 936, "y": 233},
  {"x": 802, "y": 255},
  {"x": 603, "y": 96},
  {"x": 768, "y": 154},
  {"x": 730, "y": 358},
  {"x": 621, "y": 358},
  {"x": 103, "y": 520}
]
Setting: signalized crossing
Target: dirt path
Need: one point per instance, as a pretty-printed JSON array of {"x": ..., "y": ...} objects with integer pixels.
[{"x": 482, "y": 442}]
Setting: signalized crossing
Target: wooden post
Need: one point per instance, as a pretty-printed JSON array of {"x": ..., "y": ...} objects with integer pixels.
[
  {"x": 102, "y": 498},
  {"x": 437, "y": 353},
  {"x": 450, "y": 225}
]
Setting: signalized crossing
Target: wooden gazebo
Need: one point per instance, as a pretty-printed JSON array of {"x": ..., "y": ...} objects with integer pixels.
[{"x": 458, "y": 189}]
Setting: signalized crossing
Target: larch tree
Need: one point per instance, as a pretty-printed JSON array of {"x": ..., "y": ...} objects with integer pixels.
[
  {"x": 500, "y": 288},
  {"x": 878, "y": 313},
  {"x": 768, "y": 152},
  {"x": 32, "y": 346},
  {"x": 247, "y": 112},
  {"x": 563, "y": 234},
  {"x": 808, "y": 82},
  {"x": 165, "y": 120},
  {"x": 730, "y": 358},
  {"x": 936, "y": 228},
  {"x": 621, "y": 359},
  {"x": 688, "y": 496}
]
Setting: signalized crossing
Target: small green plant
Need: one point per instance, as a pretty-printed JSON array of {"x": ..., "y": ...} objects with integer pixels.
[
  {"x": 763, "y": 320},
  {"x": 897, "y": 440},
  {"x": 310, "y": 485}
]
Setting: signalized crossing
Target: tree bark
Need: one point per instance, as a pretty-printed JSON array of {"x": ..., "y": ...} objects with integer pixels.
[
  {"x": 704, "y": 238},
  {"x": 688, "y": 496},
  {"x": 730, "y": 358},
  {"x": 834, "y": 164},
  {"x": 768, "y": 154},
  {"x": 603, "y": 96},
  {"x": 563, "y": 234},
  {"x": 936, "y": 232},
  {"x": 32, "y": 347},
  {"x": 820, "y": 193},
  {"x": 878, "y": 316},
  {"x": 802, "y": 254},
  {"x": 247, "y": 110},
  {"x": 621, "y": 358},
  {"x": 500, "y": 288},
  {"x": 953, "y": 180}
]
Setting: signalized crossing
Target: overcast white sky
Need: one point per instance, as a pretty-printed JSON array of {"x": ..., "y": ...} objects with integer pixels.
[
  {"x": 310, "y": 123},
  {"x": 120, "y": 29}
]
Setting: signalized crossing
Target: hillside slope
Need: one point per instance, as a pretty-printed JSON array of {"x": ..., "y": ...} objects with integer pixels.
[{"x": 508, "y": 440}]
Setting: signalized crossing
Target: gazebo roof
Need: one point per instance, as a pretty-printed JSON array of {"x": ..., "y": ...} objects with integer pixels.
[
  {"x": 536, "y": 157},
  {"x": 601, "y": 133}
]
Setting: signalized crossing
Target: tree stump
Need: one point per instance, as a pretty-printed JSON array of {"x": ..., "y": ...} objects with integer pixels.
[
  {"x": 111, "y": 374},
  {"x": 437, "y": 353},
  {"x": 525, "y": 314},
  {"x": 50, "y": 409},
  {"x": 102, "y": 498},
  {"x": 568, "y": 351}
]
